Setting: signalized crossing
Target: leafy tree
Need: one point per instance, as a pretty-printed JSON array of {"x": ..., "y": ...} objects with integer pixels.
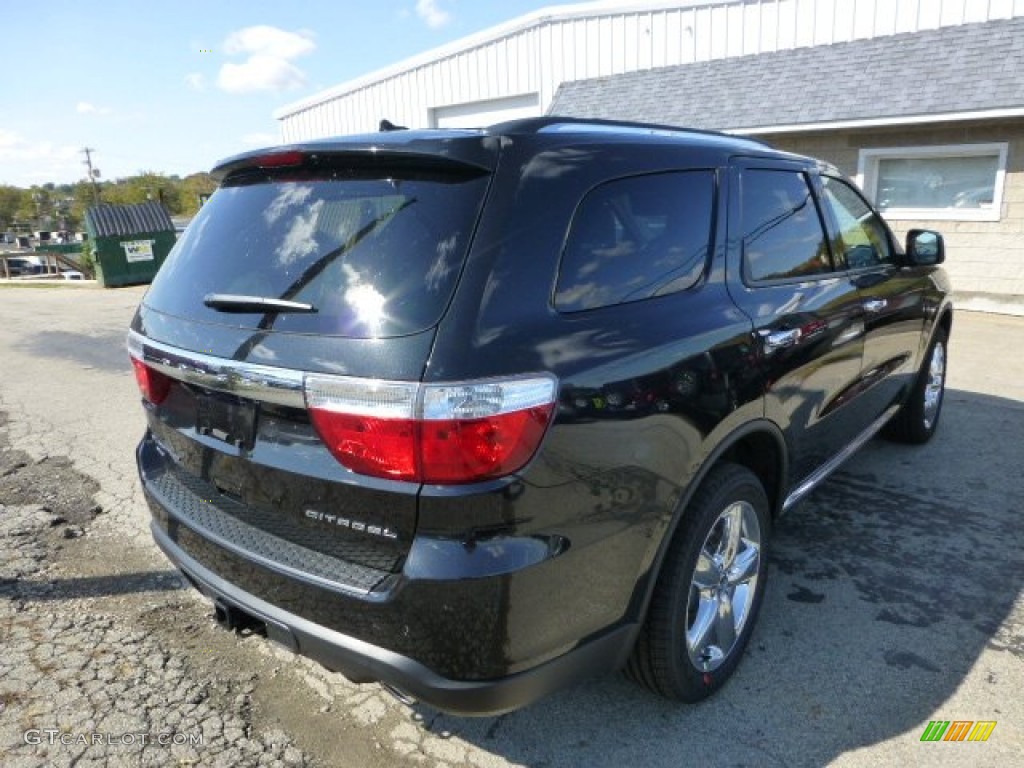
[
  {"x": 191, "y": 188},
  {"x": 46, "y": 206},
  {"x": 82, "y": 194},
  {"x": 143, "y": 187},
  {"x": 27, "y": 213},
  {"x": 12, "y": 199},
  {"x": 87, "y": 261}
]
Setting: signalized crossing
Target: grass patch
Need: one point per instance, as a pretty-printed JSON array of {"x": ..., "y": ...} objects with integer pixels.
[{"x": 48, "y": 283}]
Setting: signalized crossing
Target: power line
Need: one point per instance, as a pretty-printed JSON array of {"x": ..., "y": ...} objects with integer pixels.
[{"x": 93, "y": 173}]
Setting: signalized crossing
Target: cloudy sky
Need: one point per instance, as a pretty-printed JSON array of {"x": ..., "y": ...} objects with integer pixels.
[{"x": 173, "y": 87}]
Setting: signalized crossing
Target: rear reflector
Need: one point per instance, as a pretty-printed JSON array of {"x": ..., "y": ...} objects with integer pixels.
[
  {"x": 431, "y": 433},
  {"x": 153, "y": 384}
]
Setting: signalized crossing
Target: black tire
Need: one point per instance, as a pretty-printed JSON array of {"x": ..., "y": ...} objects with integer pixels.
[
  {"x": 918, "y": 418},
  {"x": 662, "y": 659}
]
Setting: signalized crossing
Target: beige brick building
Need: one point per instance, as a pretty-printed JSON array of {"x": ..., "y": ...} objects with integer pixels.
[{"x": 986, "y": 258}]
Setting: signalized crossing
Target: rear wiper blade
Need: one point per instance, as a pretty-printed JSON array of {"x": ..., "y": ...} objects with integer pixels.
[{"x": 229, "y": 302}]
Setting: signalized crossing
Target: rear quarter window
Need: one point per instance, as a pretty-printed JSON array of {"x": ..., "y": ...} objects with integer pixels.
[{"x": 636, "y": 238}]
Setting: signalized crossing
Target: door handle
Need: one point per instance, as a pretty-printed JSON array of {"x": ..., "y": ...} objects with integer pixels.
[
  {"x": 774, "y": 340},
  {"x": 875, "y": 305}
]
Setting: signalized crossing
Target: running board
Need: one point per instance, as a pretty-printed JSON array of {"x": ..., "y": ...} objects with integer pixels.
[{"x": 817, "y": 476}]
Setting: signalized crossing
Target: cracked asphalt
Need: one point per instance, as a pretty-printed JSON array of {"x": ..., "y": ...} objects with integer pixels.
[{"x": 894, "y": 598}]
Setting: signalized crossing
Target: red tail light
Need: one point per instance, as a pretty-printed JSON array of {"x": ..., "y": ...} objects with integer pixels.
[
  {"x": 475, "y": 449},
  {"x": 370, "y": 446},
  {"x": 154, "y": 385},
  {"x": 431, "y": 433}
]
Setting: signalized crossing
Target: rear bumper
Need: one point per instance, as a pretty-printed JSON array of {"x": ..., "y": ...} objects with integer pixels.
[
  {"x": 363, "y": 662},
  {"x": 474, "y": 630}
]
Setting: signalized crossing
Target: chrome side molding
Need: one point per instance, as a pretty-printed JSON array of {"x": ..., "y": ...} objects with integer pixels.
[{"x": 817, "y": 476}]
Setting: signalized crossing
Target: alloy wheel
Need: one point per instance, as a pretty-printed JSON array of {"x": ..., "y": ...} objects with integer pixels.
[
  {"x": 723, "y": 586},
  {"x": 936, "y": 381}
]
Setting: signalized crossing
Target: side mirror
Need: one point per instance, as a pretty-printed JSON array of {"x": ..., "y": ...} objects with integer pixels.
[{"x": 925, "y": 248}]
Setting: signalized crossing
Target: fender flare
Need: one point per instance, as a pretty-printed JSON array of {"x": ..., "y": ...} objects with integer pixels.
[{"x": 642, "y": 597}]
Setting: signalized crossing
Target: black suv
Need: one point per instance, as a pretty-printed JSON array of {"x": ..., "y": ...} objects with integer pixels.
[{"x": 475, "y": 413}]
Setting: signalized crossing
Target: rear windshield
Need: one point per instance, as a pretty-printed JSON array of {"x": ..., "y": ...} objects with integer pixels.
[{"x": 374, "y": 256}]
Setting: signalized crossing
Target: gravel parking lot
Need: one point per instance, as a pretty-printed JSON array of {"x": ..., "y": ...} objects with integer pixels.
[{"x": 895, "y": 598}]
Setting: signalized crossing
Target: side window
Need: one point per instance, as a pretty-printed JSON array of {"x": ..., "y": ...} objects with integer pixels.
[
  {"x": 782, "y": 232},
  {"x": 864, "y": 239},
  {"x": 635, "y": 238}
]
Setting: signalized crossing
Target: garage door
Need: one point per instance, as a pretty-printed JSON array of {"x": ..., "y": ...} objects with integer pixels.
[{"x": 477, "y": 114}]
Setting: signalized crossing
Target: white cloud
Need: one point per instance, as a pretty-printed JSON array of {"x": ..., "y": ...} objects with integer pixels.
[
  {"x": 16, "y": 146},
  {"x": 27, "y": 162},
  {"x": 268, "y": 66},
  {"x": 269, "y": 41},
  {"x": 196, "y": 81},
  {"x": 260, "y": 73},
  {"x": 261, "y": 139},
  {"x": 87, "y": 108},
  {"x": 433, "y": 15}
]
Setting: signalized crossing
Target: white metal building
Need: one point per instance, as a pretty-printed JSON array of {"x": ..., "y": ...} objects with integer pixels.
[
  {"x": 913, "y": 97},
  {"x": 513, "y": 70}
]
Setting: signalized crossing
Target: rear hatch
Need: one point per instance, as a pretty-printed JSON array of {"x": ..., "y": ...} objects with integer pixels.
[{"x": 318, "y": 261}]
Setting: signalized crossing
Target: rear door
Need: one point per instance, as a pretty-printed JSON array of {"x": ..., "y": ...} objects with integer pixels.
[
  {"x": 892, "y": 297},
  {"x": 806, "y": 311}
]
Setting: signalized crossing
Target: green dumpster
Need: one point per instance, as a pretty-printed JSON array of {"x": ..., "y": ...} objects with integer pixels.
[{"x": 130, "y": 241}]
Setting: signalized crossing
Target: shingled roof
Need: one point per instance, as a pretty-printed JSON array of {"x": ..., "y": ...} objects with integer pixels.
[
  {"x": 143, "y": 218},
  {"x": 967, "y": 68}
]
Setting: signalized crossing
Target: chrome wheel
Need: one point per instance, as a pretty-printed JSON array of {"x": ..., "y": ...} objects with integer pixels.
[
  {"x": 934, "y": 386},
  {"x": 709, "y": 589},
  {"x": 723, "y": 586}
]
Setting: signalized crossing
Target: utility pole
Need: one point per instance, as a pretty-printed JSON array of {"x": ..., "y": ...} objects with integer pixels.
[{"x": 87, "y": 151}]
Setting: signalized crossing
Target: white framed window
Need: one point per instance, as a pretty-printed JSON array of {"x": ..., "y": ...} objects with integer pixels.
[{"x": 956, "y": 182}]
